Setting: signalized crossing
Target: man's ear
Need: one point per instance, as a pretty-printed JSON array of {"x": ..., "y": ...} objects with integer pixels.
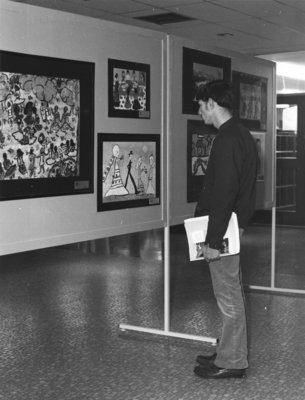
[{"x": 210, "y": 103}]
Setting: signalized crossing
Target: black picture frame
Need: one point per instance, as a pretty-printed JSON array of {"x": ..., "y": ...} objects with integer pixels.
[
  {"x": 128, "y": 171},
  {"x": 250, "y": 94},
  {"x": 47, "y": 126},
  {"x": 199, "y": 68},
  {"x": 200, "y": 138},
  {"x": 259, "y": 138},
  {"x": 128, "y": 89}
]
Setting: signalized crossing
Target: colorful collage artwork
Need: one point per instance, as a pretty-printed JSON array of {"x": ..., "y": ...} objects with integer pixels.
[
  {"x": 128, "y": 89},
  {"x": 39, "y": 126}
]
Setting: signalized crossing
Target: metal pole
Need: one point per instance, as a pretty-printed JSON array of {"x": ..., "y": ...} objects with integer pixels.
[{"x": 166, "y": 278}]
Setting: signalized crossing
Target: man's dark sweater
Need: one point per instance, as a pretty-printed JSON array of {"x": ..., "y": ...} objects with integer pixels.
[{"x": 229, "y": 181}]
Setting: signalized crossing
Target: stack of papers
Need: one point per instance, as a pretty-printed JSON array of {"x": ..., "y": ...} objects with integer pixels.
[{"x": 196, "y": 229}]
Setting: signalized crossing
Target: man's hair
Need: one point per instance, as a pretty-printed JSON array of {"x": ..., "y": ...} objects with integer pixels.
[{"x": 220, "y": 91}]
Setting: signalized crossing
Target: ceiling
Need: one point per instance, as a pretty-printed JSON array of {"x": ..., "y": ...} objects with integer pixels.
[{"x": 253, "y": 27}]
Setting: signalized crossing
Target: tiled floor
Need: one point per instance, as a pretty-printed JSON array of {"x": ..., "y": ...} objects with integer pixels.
[{"x": 61, "y": 307}]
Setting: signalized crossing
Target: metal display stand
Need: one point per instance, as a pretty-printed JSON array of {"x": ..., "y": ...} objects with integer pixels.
[{"x": 166, "y": 331}]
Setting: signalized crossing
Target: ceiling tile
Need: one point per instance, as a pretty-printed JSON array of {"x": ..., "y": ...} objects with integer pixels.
[
  {"x": 208, "y": 12},
  {"x": 290, "y": 18},
  {"x": 168, "y": 3},
  {"x": 255, "y": 8},
  {"x": 260, "y": 28},
  {"x": 72, "y": 6},
  {"x": 297, "y": 4}
]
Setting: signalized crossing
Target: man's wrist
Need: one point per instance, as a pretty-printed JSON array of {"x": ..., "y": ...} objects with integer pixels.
[
  {"x": 210, "y": 254},
  {"x": 212, "y": 245}
]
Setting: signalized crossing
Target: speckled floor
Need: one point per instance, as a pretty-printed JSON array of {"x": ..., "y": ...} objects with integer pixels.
[{"x": 60, "y": 309}]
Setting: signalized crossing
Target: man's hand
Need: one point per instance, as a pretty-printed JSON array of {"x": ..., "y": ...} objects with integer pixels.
[{"x": 210, "y": 254}]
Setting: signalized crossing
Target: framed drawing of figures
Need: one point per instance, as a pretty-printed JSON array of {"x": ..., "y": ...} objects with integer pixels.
[
  {"x": 46, "y": 126},
  {"x": 128, "y": 89},
  {"x": 199, "y": 68},
  {"x": 250, "y": 93},
  {"x": 259, "y": 138},
  {"x": 128, "y": 171},
  {"x": 200, "y": 138}
]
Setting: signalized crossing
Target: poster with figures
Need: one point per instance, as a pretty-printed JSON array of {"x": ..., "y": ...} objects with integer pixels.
[
  {"x": 40, "y": 128},
  {"x": 128, "y": 171},
  {"x": 128, "y": 89},
  {"x": 250, "y": 94},
  {"x": 259, "y": 138},
  {"x": 200, "y": 141}
]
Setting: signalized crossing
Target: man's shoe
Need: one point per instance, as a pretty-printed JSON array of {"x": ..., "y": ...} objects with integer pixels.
[
  {"x": 206, "y": 360},
  {"x": 214, "y": 372}
]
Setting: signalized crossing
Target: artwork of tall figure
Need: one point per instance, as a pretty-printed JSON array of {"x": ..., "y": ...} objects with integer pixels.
[{"x": 128, "y": 171}]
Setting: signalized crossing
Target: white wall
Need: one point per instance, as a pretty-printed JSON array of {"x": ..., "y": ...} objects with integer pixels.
[{"x": 42, "y": 222}]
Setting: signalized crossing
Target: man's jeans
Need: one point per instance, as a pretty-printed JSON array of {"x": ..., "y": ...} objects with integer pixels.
[{"x": 232, "y": 351}]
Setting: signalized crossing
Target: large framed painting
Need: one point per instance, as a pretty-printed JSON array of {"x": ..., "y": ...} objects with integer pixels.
[
  {"x": 200, "y": 138},
  {"x": 46, "y": 126},
  {"x": 259, "y": 138},
  {"x": 250, "y": 93},
  {"x": 128, "y": 171},
  {"x": 128, "y": 89},
  {"x": 200, "y": 68}
]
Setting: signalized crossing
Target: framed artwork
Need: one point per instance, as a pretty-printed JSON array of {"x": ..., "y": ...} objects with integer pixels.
[
  {"x": 200, "y": 68},
  {"x": 46, "y": 126},
  {"x": 128, "y": 171},
  {"x": 128, "y": 89},
  {"x": 250, "y": 93},
  {"x": 200, "y": 138},
  {"x": 259, "y": 138}
]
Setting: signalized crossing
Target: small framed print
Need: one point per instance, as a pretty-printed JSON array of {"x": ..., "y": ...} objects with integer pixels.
[
  {"x": 200, "y": 68},
  {"x": 128, "y": 171},
  {"x": 259, "y": 138},
  {"x": 250, "y": 93},
  {"x": 200, "y": 138},
  {"x": 46, "y": 126},
  {"x": 128, "y": 89}
]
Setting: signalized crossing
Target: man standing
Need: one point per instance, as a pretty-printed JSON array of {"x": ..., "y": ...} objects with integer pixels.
[
  {"x": 130, "y": 155},
  {"x": 229, "y": 187}
]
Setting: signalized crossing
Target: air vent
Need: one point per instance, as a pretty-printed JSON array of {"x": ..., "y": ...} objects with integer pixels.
[{"x": 164, "y": 19}]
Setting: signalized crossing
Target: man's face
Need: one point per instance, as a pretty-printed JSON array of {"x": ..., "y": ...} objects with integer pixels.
[{"x": 205, "y": 112}]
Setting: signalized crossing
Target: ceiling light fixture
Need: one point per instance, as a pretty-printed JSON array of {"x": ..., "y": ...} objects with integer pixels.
[
  {"x": 290, "y": 70},
  {"x": 165, "y": 18},
  {"x": 225, "y": 34}
]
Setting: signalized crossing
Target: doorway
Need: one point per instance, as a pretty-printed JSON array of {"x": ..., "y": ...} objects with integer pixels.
[{"x": 290, "y": 160}]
